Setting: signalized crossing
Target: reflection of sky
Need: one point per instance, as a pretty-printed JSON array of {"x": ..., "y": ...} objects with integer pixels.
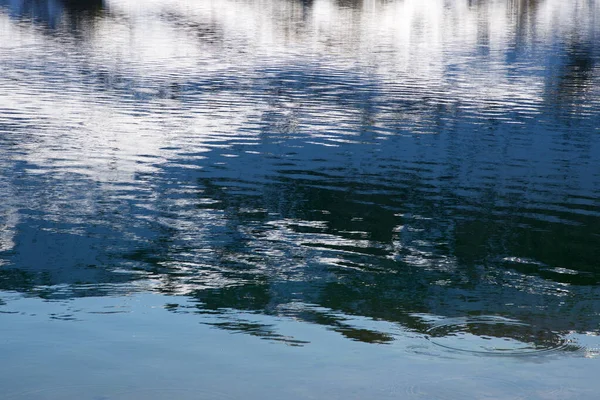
[
  {"x": 423, "y": 52},
  {"x": 305, "y": 100},
  {"x": 49, "y": 11},
  {"x": 155, "y": 60}
]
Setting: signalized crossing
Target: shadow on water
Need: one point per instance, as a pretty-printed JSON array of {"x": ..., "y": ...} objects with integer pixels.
[{"x": 342, "y": 199}]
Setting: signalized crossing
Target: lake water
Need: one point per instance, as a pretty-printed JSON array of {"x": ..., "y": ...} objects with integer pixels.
[{"x": 299, "y": 199}]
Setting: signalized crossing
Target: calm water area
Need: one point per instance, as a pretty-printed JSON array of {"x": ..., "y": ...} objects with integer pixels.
[{"x": 299, "y": 199}]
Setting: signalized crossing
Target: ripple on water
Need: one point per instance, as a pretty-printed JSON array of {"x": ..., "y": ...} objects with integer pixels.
[
  {"x": 492, "y": 335},
  {"x": 473, "y": 387}
]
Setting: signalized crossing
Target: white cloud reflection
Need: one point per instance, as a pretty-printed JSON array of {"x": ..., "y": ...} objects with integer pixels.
[
  {"x": 427, "y": 48},
  {"x": 156, "y": 82}
]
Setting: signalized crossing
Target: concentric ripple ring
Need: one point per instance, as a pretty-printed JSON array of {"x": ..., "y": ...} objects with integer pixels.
[{"x": 492, "y": 335}]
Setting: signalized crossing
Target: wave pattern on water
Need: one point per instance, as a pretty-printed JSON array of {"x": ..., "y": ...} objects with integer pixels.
[{"x": 376, "y": 159}]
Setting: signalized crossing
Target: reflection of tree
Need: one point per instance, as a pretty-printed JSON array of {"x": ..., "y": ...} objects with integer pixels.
[
  {"x": 373, "y": 280},
  {"x": 571, "y": 80},
  {"x": 382, "y": 232},
  {"x": 361, "y": 236},
  {"x": 83, "y": 6}
]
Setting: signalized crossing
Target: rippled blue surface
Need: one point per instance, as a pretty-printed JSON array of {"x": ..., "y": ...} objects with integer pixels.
[{"x": 299, "y": 199}]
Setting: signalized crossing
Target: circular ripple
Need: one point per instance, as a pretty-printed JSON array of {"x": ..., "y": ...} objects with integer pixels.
[{"x": 495, "y": 336}]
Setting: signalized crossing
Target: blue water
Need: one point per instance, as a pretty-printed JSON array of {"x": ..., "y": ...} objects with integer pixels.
[{"x": 299, "y": 199}]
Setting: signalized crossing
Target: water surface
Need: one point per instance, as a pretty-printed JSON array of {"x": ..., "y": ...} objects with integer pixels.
[{"x": 299, "y": 199}]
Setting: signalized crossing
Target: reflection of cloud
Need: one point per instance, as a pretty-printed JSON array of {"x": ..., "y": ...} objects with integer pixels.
[
  {"x": 191, "y": 141},
  {"x": 423, "y": 53},
  {"x": 9, "y": 218},
  {"x": 9, "y": 211}
]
